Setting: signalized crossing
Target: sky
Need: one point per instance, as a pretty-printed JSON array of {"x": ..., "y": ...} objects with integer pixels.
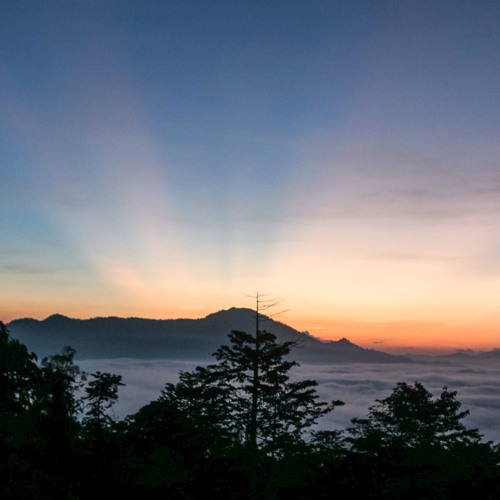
[{"x": 169, "y": 159}]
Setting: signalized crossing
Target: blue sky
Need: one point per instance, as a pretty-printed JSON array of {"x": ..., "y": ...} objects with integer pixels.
[{"x": 164, "y": 159}]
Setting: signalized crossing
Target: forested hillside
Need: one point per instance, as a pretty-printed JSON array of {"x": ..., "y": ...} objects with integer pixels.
[{"x": 175, "y": 338}]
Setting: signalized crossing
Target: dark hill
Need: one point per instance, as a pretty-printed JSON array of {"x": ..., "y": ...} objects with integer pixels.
[{"x": 114, "y": 337}]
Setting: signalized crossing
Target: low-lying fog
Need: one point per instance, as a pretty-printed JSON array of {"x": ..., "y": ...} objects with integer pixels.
[{"x": 477, "y": 382}]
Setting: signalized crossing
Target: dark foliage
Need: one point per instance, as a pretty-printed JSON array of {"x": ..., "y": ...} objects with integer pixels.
[{"x": 236, "y": 429}]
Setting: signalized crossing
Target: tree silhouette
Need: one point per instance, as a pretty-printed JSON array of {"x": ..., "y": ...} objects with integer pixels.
[
  {"x": 411, "y": 418},
  {"x": 271, "y": 411},
  {"x": 19, "y": 433},
  {"x": 99, "y": 448},
  {"x": 248, "y": 394},
  {"x": 101, "y": 394},
  {"x": 412, "y": 445},
  {"x": 247, "y": 398},
  {"x": 58, "y": 410},
  {"x": 18, "y": 371},
  {"x": 202, "y": 396}
]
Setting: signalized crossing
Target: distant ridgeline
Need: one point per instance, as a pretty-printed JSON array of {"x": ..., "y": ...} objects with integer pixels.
[{"x": 176, "y": 338}]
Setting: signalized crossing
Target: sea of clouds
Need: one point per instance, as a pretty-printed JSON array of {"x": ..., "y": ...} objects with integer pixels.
[{"x": 477, "y": 382}]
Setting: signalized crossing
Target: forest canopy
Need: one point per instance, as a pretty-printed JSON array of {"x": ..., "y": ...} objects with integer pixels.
[{"x": 237, "y": 428}]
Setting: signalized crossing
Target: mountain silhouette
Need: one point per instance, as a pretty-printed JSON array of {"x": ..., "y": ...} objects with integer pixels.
[{"x": 114, "y": 337}]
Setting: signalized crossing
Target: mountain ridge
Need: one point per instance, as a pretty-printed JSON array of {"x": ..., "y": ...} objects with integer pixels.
[{"x": 182, "y": 338}]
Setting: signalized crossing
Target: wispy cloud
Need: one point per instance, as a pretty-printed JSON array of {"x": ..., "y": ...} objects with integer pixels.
[{"x": 21, "y": 269}]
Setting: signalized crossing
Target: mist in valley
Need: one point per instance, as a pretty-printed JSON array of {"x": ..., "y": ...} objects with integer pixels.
[{"x": 477, "y": 382}]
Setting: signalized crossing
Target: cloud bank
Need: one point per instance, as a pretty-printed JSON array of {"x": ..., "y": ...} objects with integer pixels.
[{"x": 477, "y": 384}]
